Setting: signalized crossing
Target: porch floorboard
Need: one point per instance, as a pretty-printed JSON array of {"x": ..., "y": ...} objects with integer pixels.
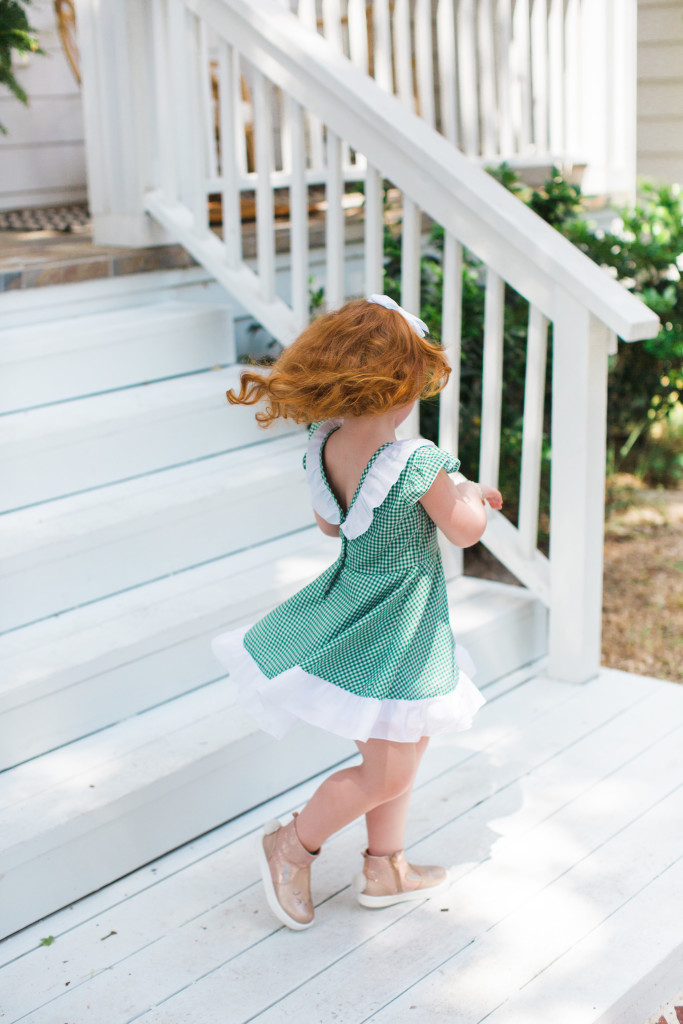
[{"x": 559, "y": 814}]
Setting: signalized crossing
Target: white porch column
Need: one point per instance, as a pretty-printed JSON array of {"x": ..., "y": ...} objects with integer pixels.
[
  {"x": 116, "y": 65},
  {"x": 577, "y": 496}
]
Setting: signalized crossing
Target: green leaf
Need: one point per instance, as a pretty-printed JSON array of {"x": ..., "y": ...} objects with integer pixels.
[{"x": 15, "y": 35}]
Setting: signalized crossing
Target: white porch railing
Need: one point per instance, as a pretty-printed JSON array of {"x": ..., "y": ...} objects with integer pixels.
[
  {"x": 532, "y": 82},
  {"x": 320, "y": 89},
  {"x": 527, "y": 81}
]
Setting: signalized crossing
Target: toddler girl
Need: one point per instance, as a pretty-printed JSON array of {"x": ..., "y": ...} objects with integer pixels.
[{"x": 365, "y": 650}]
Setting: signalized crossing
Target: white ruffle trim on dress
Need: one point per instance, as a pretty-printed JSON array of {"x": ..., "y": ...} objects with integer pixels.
[
  {"x": 321, "y": 499},
  {"x": 278, "y": 703},
  {"x": 380, "y": 478}
]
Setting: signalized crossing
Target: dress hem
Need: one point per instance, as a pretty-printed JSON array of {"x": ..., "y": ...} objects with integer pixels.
[{"x": 295, "y": 695}]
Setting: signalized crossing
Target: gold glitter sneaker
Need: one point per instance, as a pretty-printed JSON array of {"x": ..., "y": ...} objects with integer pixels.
[
  {"x": 388, "y": 880},
  {"x": 286, "y": 871}
]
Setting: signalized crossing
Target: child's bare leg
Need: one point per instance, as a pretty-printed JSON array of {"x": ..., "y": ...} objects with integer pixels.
[
  {"x": 386, "y": 773},
  {"x": 386, "y": 823}
]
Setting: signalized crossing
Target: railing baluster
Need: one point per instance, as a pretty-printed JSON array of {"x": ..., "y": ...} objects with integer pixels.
[
  {"x": 142, "y": 82},
  {"x": 448, "y": 86},
  {"x": 522, "y": 52},
  {"x": 163, "y": 95},
  {"x": 504, "y": 49},
  {"x": 451, "y": 339},
  {"x": 572, "y": 35},
  {"x": 334, "y": 223},
  {"x": 306, "y": 13},
  {"x": 410, "y": 256},
  {"x": 281, "y": 113},
  {"x": 487, "y": 79},
  {"x": 358, "y": 34},
  {"x": 244, "y": 119},
  {"x": 332, "y": 30},
  {"x": 532, "y": 437},
  {"x": 228, "y": 99},
  {"x": 467, "y": 78},
  {"x": 403, "y": 54},
  {"x": 515, "y": 67},
  {"x": 265, "y": 228},
  {"x": 410, "y": 280},
  {"x": 298, "y": 217},
  {"x": 196, "y": 128},
  {"x": 424, "y": 56},
  {"x": 374, "y": 233},
  {"x": 492, "y": 389},
  {"x": 382, "y": 44},
  {"x": 622, "y": 98},
  {"x": 449, "y": 409},
  {"x": 358, "y": 53},
  {"x": 539, "y": 73},
  {"x": 307, "y": 16},
  {"x": 449, "y": 399},
  {"x": 556, "y": 77},
  {"x": 177, "y": 24},
  {"x": 208, "y": 117}
]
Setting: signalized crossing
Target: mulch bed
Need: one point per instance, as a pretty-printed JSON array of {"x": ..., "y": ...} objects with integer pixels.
[{"x": 643, "y": 585}]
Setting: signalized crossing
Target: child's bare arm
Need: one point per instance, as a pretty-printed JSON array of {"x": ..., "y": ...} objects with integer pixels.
[
  {"x": 328, "y": 528},
  {"x": 458, "y": 509}
]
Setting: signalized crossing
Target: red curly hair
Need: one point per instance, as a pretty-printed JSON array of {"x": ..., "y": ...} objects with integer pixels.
[{"x": 358, "y": 360}]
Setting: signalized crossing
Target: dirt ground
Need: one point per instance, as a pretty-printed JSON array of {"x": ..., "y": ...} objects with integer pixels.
[
  {"x": 642, "y": 624},
  {"x": 643, "y": 585}
]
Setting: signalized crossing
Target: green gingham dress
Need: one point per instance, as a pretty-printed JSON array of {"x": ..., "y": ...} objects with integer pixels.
[{"x": 366, "y": 650}]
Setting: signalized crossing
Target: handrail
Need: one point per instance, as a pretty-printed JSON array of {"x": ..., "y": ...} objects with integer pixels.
[{"x": 499, "y": 229}]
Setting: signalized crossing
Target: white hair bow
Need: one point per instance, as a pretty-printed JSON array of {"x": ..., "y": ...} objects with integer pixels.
[{"x": 418, "y": 325}]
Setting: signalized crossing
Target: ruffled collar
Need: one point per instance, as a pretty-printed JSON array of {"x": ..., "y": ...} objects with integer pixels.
[
  {"x": 379, "y": 476},
  {"x": 324, "y": 502}
]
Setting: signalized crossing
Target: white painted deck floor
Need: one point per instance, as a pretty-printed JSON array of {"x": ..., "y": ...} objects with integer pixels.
[{"x": 561, "y": 816}]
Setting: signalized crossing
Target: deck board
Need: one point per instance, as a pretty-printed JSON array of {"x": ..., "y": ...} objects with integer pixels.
[{"x": 559, "y": 813}]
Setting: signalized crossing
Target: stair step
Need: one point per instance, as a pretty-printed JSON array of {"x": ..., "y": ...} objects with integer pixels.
[
  {"x": 116, "y": 800},
  {"x": 81, "y": 355},
  {"x": 72, "y": 446},
  {"x": 56, "y": 302},
  {"x": 88, "y": 546},
  {"x": 88, "y": 668}
]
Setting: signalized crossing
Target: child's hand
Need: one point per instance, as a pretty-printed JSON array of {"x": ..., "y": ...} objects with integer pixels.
[{"x": 490, "y": 494}]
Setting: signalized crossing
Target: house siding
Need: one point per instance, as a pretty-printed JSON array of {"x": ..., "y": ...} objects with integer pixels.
[
  {"x": 42, "y": 158},
  {"x": 660, "y": 90}
]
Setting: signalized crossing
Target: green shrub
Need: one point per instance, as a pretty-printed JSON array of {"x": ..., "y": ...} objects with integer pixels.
[
  {"x": 15, "y": 34},
  {"x": 645, "y": 255}
]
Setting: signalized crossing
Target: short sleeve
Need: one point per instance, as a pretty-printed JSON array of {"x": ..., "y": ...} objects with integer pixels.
[
  {"x": 421, "y": 471},
  {"x": 311, "y": 431}
]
